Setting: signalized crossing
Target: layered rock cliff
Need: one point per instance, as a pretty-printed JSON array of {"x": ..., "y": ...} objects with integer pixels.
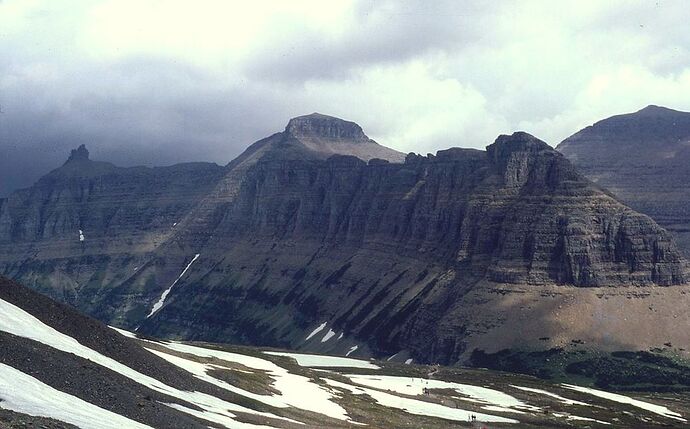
[{"x": 303, "y": 245}]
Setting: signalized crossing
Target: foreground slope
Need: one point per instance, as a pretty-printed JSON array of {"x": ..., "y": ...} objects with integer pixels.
[
  {"x": 59, "y": 369},
  {"x": 644, "y": 158},
  {"x": 301, "y": 243}
]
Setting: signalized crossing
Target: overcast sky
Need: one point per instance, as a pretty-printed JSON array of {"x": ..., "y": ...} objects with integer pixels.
[{"x": 158, "y": 82}]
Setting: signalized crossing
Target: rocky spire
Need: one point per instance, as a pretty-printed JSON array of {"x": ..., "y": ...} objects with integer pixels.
[{"x": 78, "y": 154}]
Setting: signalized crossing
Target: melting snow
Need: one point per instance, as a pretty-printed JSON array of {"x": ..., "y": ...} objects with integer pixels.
[
  {"x": 330, "y": 334},
  {"x": 352, "y": 350},
  {"x": 123, "y": 332},
  {"x": 18, "y": 322},
  {"x": 414, "y": 406},
  {"x": 552, "y": 395},
  {"x": 22, "y": 393},
  {"x": 584, "y": 419},
  {"x": 318, "y": 361},
  {"x": 416, "y": 386},
  {"x": 157, "y": 306},
  {"x": 316, "y": 331},
  {"x": 295, "y": 390},
  {"x": 657, "y": 409}
]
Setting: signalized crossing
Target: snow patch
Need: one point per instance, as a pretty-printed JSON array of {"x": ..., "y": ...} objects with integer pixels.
[
  {"x": 330, "y": 334},
  {"x": 408, "y": 361},
  {"x": 157, "y": 306},
  {"x": 416, "y": 386},
  {"x": 81, "y": 235},
  {"x": 657, "y": 409},
  {"x": 319, "y": 361},
  {"x": 341, "y": 335},
  {"x": 414, "y": 406},
  {"x": 123, "y": 332},
  {"x": 22, "y": 393},
  {"x": 295, "y": 390},
  {"x": 392, "y": 357},
  {"x": 584, "y": 419},
  {"x": 552, "y": 395},
  {"x": 316, "y": 331},
  {"x": 352, "y": 350}
]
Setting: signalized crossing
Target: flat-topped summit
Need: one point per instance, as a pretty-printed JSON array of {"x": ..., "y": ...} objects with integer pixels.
[
  {"x": 317, "y": 125},
  {"x": 318, "y": 136}
]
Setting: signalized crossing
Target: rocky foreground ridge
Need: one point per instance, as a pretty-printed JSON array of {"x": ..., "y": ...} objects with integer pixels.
[{"x": 309, "y": 240}]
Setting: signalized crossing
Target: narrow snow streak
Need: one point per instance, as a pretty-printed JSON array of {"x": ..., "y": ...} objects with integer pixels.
[
  {"x": 24, "y": 394},
  {"x": 316, "y": 331},
  {"x": 157, "y": 306},
  {"x": 657, "y": 409},
  {"x": 414, "y": 406},
  {"x": 352, "y": 350},
  {"x": 318, "y": 361},
  {"x": 584, "y": 419},
  {"x": 330, "y": 334},
  {"x": 123, "y": 332},
  {"x": 552, "y": 395}
]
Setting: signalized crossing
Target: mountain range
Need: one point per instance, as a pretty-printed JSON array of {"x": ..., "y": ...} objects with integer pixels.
[{"x": 319, "y": 239}]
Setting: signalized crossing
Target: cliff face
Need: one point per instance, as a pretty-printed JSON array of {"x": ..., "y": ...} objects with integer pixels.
[
  {"x": 87, "y": 225},
  {"x": 398, "y": 258},
  {"x": 643, "y": 158},
  {"x": 421, "y": 258}
]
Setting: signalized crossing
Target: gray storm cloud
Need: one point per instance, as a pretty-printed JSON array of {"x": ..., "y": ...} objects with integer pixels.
[{"x": 154, "y": 83}]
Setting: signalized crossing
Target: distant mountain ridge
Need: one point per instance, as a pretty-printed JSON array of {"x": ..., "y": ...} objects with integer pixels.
[
  {"x": 643, "y": 158},
  {"x": 314, "y": 226}
]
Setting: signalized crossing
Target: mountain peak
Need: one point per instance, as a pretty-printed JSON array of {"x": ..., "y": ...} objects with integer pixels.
[
  {"x": 519, "y": 141},
  {"x": 78, "y": 154},
  {"x": 653, "y": 110},
  {"x": 317, "y": 125}
]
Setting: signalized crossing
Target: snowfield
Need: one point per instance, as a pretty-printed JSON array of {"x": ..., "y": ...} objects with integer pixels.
[
  {"x": 295, "y": 390},
  {"x": 320, "y": 361},
  {"x": 657, "y": 409},
  {"x": 416, "y": 386},
  {"x": 414, "y": 406},
  {"x": 24, "y": 394},
  {"x": 292, "y": 395}
]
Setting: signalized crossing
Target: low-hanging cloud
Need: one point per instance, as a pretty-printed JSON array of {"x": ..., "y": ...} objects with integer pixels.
[{"x": 159, "y": 82}]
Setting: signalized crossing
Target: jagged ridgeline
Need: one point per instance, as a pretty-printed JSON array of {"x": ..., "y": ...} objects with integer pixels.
[{"x": 320, "y": 239}]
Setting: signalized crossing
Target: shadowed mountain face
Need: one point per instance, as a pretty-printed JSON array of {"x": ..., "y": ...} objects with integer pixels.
[
  {"x": 643, "y": 158},
  {"x": 430, "y": 258}
]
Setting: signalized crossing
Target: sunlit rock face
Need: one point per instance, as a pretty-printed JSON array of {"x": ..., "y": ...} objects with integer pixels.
[{"x": 320, "y": 225}]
